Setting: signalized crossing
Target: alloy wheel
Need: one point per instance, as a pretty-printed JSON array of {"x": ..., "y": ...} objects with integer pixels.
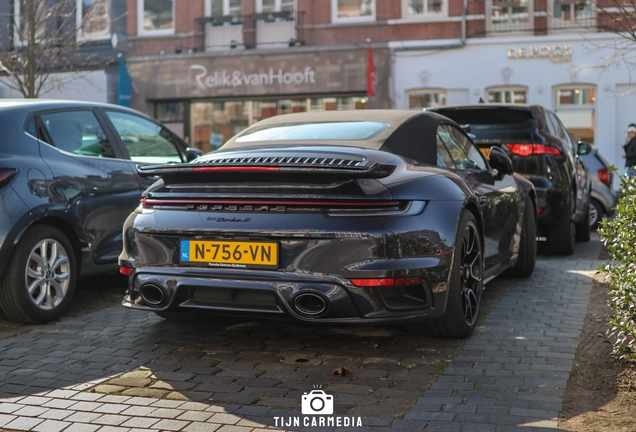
[
  {"x": 47, "y": 274},
  {"x": 471, "y": 273}
]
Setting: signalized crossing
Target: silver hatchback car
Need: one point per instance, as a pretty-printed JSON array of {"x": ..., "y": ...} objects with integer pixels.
[{"x": 604, "y": 197}]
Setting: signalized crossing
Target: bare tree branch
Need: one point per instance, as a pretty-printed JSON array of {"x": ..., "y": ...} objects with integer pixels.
[{"x": 45, "y": 39}]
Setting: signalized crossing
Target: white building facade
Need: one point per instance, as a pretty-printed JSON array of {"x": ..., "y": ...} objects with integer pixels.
[{"x": 568, "y": 73}]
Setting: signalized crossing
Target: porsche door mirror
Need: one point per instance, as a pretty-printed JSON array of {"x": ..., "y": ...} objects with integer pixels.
[{"x": 500, "y": 161}]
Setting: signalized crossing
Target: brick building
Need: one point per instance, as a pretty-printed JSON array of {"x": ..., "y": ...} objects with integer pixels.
[{"x": 209, "y": 68}]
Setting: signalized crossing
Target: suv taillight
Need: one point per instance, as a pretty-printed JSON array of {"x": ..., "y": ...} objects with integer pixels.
[
  {"x": 6, "y": 174},
  {"x": 605, "y": 176},
  {"x": 533, "y": 149}
]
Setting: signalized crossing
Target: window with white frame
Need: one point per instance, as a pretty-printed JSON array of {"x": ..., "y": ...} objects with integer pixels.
[
  {"x": 345, "y": 11},
  {"x": 219, "y": 8},
  {"x": 423, "y": 8},
  {"x": 424, "y": 98},
  {"x": 572, "y": 10},
  {"x": 507, "y": 95},
  {"x": 21, "y": 9},
  {"x": 155, "y": 17},
  {"x": 93, "y": 19},
  {"x": 511, "y": 15},
  {"x": 575, "y": 95},
  {"x": 270, "y": 6}
]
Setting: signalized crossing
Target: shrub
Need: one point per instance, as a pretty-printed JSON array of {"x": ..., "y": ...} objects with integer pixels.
[{"x": 619, "y": 236}]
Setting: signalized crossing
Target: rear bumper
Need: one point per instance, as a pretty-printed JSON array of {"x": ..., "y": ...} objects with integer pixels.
[{"x": 263, "y": 294}]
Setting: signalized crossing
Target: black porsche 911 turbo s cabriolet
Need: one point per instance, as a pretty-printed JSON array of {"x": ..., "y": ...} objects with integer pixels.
[{"x": 371, "y": 216}]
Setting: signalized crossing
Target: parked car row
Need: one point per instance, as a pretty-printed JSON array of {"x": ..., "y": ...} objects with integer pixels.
[{"x": 371, "y": 216}]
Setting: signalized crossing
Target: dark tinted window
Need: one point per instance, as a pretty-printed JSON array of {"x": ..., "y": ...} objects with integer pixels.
[
  {"x": 29, "y": 126},
  {"x": 500, "y": 124},
  {"x": 77, "y": 132}
]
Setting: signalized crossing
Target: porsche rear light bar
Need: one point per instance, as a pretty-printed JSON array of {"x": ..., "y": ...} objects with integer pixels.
[
  {"x": 6, "y": 175},
  {"x": 210, "y": 203},
  {"x": 533, "y": 149},
  {"x": 383, "y": 282}
]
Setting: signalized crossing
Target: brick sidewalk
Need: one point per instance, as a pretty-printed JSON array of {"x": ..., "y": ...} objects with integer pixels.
[{"x": 121, "y": 370}]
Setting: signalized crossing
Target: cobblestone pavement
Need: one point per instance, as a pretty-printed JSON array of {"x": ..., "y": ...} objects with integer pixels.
[{"x": 119, "y": 370}]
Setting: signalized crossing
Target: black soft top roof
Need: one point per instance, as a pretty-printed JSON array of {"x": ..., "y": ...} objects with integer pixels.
[{"x": 410, "y": 134}]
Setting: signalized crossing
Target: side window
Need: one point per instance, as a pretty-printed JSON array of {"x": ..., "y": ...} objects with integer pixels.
[
  {"x": 565, "y": 136},
  {"x": 456, "y": 150},
  {"x": 473, "y": 153},
  {"x": 145, "y": 141},
  {"x": 444, "y": 158},
  {"x": 76, "y": 132},
  {"x": 552, "y": 126}
]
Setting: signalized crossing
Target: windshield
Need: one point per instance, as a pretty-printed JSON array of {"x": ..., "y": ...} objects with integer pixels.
[{"x": 332, "y": 131}]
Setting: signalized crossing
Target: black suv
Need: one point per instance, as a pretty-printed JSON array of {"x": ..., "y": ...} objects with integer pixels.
[
  {"x": 542, "y": 151},
  {"x": 68, "y": 181}
]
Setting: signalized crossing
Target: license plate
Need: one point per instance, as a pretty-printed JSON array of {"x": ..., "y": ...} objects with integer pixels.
[
  {"x": 485, "y": 152},
  {"x": 230, "y": 253}
]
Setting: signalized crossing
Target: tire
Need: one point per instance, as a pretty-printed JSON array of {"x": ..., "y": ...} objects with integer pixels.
[
  {"x": 596, "y": 213},
  {"x": 583, "y": 227},
  {"x": 527, "y": 257},
  {"x": 561, "y": 238},
  {"x": 37, "y": 290},
  {"x": 465, "y": 288}
]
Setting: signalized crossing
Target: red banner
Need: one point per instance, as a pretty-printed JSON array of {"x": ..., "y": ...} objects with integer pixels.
[{"x": 370, "y": 72}]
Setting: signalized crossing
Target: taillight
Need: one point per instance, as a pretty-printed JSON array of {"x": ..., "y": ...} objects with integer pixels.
[
  {"x": 386, "y": 282},
  {"x": 126, "y": 270},
  {"x": 605, "y": 176},
  {"x": 6, "y": 174},
  {"x": 533, "y": 149}
]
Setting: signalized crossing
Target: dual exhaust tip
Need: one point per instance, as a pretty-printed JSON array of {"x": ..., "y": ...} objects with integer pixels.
[
  {"x": 153, "y": 294},
  {"x": 306, "y": 303},
  {"x": 310, "y": 304}
]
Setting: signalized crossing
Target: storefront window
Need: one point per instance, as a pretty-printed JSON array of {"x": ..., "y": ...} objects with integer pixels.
[
  {"x": 418, "y": 8},
  {"x": 155, "y": 17},
  {"x": 93, "y": 17},
  {"x": 213, "y": 123},
  {"x": 507, "y": 95},
  {"x": 352, "y": 10},
  {"x": 426, "y": 98},
  {"x": 575, "y": 96}
]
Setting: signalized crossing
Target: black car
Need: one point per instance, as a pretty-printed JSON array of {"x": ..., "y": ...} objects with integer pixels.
[
  {"x": 68, "y": 180},
  {"x": 542, "y": 151},
  {"x": 604, "y": 197},
  {"x": 370, "y": 216}
]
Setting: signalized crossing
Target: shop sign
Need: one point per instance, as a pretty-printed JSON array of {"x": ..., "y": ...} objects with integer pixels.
[
  {"x": 556, "y": 54},
  {"x": 205, "y": 79}
]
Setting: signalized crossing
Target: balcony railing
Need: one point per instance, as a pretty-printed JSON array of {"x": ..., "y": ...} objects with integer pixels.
[{"x": 259, "y": 30}]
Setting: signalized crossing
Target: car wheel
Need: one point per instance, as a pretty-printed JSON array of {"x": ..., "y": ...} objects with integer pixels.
[
  {"x": 465, "y": 288},
  {"x": 596, "y": 213},
  {"x": 39, "y": 281},
  {"x": 528, "y": 244},
  {"x": 583, "y": 227}
]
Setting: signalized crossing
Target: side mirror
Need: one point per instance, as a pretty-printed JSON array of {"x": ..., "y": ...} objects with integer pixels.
[
  {"x": 583, "y": 148},
  {"x": 500, "y": 161},
  {"x": 193, "y": 153}
]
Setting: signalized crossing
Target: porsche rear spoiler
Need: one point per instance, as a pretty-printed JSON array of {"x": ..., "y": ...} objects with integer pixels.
[{"x": 204, "y": 172}]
